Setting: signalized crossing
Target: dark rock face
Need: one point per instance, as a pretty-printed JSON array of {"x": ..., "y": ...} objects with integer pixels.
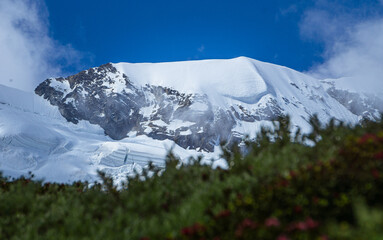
[
  {"x": 108, "y": 98},
  {"x": 116, "y": 113}
]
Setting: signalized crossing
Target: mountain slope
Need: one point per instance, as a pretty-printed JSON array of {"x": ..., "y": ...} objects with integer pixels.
[
  {"x": 118, "y": 117},
  {"x": 34, "y": 137},
  {"x": 195, "y": 104}
]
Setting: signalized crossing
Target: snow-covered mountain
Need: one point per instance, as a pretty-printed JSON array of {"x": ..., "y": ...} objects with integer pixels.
[
  {"x": 195, "y": 104},
  {"x": 145, "y": 108}
]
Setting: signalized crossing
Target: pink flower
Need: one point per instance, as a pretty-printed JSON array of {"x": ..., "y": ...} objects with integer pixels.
[
  {"x": 301, "y": 226},
  {"x": 224, "y": 213},
  {"x": 310, "y": 223},
  {"x": 324, "y": 237},
  {"x": 298, "y": 209},
  {"x": 248, "y": 223},
  {"x": 283, "y": 237},
  {"x": 197, "y": 227},
  {"x": 272, "y": 222},
  {"x": 239, "y": 231},
  {"x": 187, "y": 231},
  {"x": 367, "y": 137},
  {"x": 293, "y": 174}
]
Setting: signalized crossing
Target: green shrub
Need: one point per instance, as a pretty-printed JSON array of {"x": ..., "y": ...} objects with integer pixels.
[{"x": 323, "y": 185}]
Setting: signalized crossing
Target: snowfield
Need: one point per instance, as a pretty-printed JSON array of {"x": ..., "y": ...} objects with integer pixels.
[{"x": 246, "y": 82}]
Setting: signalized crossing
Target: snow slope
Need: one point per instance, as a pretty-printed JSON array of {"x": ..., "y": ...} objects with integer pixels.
[
  {"x": 34, "y": 137},
  {"x": 243, "y": 82},
  {"x": 235, "y": 78}
]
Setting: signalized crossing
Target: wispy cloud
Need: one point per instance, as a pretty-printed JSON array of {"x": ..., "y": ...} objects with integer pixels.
[
  {"x": 28, "y": 55},
  {"x": 202, "y": 47},
  {"x": 352, "y": 36},
  {"x": 291, "y": 9}
]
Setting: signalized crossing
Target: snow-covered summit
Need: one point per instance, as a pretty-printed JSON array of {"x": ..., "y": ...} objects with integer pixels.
[{"x": 235, "y": 78}]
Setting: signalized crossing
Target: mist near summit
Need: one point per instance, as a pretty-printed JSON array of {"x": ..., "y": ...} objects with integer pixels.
[{"x": 352, "y": 36}]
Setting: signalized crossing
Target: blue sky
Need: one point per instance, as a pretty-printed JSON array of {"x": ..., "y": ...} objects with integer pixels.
[
  {"x": 326, "y": 38},
  {"x": 174, "y": 30}
]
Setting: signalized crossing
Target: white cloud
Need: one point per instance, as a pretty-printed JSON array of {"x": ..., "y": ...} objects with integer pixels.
[
  {"x": 353, "y": 42},
  {"x": 28, "y": 55},
  {"x": 359, "y": 57}
]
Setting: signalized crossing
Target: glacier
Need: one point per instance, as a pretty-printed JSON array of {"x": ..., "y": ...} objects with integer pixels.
[{"x": 35, "y": 138}]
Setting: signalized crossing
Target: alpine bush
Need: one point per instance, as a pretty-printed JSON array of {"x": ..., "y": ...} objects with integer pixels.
[{"x": 323, "y": 185}]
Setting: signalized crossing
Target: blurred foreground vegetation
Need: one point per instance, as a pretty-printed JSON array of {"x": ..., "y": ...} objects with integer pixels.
[{"x": 324, "y": 185}]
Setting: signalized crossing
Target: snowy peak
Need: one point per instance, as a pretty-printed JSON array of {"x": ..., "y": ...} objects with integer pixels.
[
  {"x": 243, "y": 84},
  {"x": 196, "y": 104}
]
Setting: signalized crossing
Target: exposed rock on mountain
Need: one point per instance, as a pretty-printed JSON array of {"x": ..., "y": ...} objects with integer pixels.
[{"x": 367, "y": 106}]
